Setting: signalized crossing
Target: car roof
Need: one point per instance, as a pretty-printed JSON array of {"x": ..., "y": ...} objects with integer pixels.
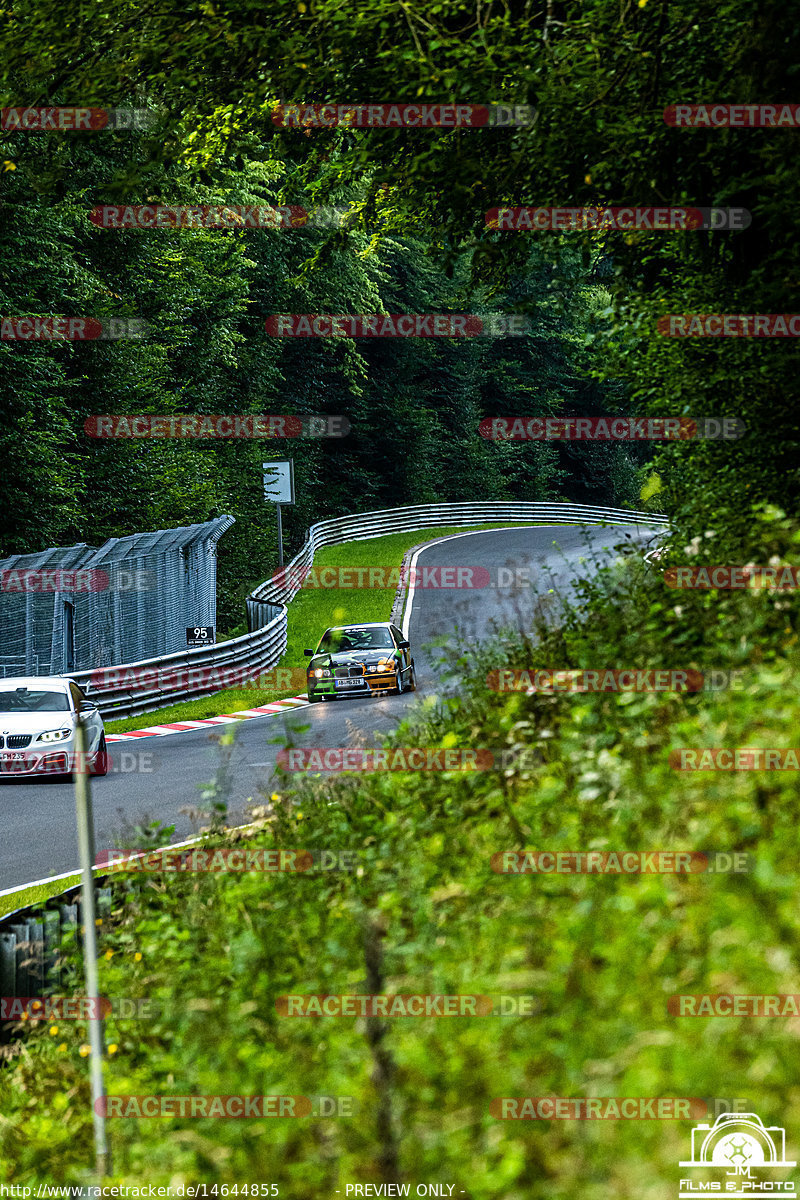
[
  {"x": 49, "y": 682},
  {"x": 360, "y": 625}
]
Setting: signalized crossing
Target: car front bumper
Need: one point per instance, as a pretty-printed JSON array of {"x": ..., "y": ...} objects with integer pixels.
[
  {"x": 47, "y": 759},
  {"x": 359, "y": 685}
]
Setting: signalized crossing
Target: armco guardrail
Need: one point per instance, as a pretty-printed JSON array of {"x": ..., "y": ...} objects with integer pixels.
[
  {"x": 133, "y": 688},
  {"x": 285, "y": 585},
  {"x": 31, "y": 941},
  {"x": 30, "y": 937}
]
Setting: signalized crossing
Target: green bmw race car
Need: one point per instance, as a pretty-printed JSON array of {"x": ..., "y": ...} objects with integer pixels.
[{"x": 360, "y": 660}]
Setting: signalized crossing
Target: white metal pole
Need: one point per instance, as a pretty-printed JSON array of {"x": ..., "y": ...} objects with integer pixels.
[
  {"x": 280, "y": 536},
  {"x": 83, "y": 806}
]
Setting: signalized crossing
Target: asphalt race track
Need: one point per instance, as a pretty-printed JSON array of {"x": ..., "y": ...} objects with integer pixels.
[{"x": 162, "y": 778}]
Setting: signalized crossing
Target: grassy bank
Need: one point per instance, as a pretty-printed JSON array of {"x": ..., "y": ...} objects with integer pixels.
[
  {"x": 422, "y": 911},
  {"x": 36, "y": 895}
]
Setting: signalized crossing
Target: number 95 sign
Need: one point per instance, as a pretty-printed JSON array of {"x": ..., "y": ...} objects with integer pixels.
[{"x": 200, "y": 635}]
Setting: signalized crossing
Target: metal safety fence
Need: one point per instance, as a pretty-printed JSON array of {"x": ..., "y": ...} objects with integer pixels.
[
  {"x": 139, "y": 687},
  {"x": 82, "y": 607}
]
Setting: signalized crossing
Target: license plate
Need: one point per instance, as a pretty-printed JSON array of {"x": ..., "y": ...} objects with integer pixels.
[
  {"x": 15, "y": 757},
  {"x": 348, "y": 683}
]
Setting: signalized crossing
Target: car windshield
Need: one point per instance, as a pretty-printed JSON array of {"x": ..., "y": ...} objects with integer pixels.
[
  {"x": 337, "y": 640},
  {"x": 25, "y": 700}
]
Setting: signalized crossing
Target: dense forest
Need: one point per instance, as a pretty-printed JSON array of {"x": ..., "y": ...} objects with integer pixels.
[
  {"x": 414, "y": 404},
  {"x": 415, "y": 239}
]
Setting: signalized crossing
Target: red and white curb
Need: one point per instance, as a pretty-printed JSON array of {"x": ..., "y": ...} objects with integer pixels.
[{"x": 265, "y": 710}]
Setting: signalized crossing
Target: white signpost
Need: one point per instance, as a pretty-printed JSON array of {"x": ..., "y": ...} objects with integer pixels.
[{"x": 279, "y": 489}]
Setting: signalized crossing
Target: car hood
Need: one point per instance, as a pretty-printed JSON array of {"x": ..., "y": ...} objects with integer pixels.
[
  {"x": 352, "y": 658},
  {"x": 35, "y": 722}
]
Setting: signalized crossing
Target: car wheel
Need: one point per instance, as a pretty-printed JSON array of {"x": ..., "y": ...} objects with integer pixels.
[
  {"x": 412, "y": 679},
  {"x": 313, "y": 698},
  {"x": 100, "y": 764}
]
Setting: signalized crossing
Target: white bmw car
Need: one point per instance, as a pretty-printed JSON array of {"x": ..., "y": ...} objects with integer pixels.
[{"x": 38, "y": 714}]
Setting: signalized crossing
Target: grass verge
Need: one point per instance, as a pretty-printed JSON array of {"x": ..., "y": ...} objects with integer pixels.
[{"x": 36, "y": 895}]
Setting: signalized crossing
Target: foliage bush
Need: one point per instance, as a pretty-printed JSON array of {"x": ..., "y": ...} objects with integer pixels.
[{"x": 423, "y": 912}]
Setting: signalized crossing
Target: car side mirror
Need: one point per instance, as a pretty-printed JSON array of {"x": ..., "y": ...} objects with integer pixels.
[
  {"x": 87, "y": 706},
  {"x": 308, "y": 653},
  {"x": 404, "y": 645}
]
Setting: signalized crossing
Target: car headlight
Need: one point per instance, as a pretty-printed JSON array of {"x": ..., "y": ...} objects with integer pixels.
[
  {"x": 321, "y": 673},
  {"x": 54, "y": 735}
]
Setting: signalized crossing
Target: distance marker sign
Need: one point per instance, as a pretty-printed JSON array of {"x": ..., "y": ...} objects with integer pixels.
[{"x": 200, "y": 635}]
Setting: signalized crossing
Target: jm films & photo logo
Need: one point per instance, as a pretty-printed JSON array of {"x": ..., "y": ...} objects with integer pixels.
[{"x": 730, "y": 1151}]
